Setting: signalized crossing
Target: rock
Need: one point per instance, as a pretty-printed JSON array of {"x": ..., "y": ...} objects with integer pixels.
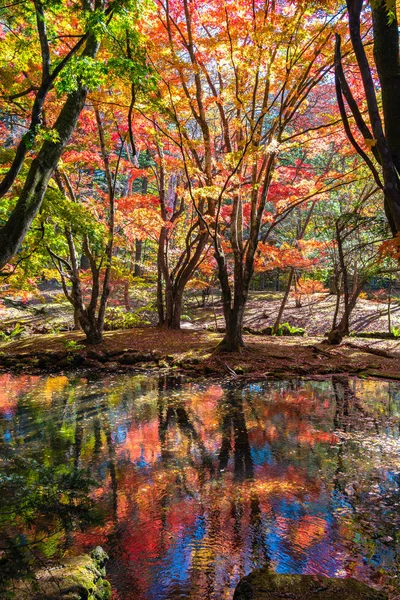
[
  {"x": 263, "y": 584},
  {"x": 78, "y": 578},
  {"x": 252, "y": 331},
  {"x": 48, "y": 359},
  {"x": 111, "y": 366},
  {"x": 91, "y": 363},
  {"x": 146, "y": 365},
  {"x": 114, "y": 353},
  {"x": 96, "y": 355},
  {"x": 64, "y": 363},
  {"x": 10, "y": 361},
  {"x": 133, "y": 359},
  {"x": 191, "y": 361},
  {"x": 383, "y": 374}
]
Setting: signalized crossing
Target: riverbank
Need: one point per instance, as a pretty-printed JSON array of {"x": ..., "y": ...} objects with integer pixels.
[{"x": 192, "y": 352}]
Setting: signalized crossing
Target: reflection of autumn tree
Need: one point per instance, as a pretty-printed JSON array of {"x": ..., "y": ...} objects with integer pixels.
[
  {"x": 367, "y": 500},
  {"x": 174, "y": 414},
  {"x": 349, "y": 409},
  {"x": 235, "y": 442},
  {"x": 235, "y": 438},
  {"x": 196, "y": 484}
]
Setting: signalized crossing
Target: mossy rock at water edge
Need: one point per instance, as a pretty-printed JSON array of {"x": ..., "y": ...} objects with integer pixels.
[
  {"x": 78, "y": 578},
  {"x": 263, "y": 584}
]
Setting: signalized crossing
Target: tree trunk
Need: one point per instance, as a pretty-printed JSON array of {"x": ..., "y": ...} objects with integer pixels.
[
  {"x": 160, "y": 303},
  {"x": 77, "y": 325},
  {"x": 337, "y": 334},
  {"x": 93, "y": 332},
  {"x": 345, "y": 278},
  {"x": 138, "y": 258},
  {"x": 283, "y": 303},
  {"x": 233, "y": 338},
  {"x": 386, "y": 52},
  {"x": 173, "y": 312},
  {"x": 386, "y": 56},
  {"x": 338, "y": 285}
]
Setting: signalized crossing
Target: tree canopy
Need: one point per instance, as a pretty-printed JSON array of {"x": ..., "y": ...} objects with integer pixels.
[{"x": 192, "y": 145}]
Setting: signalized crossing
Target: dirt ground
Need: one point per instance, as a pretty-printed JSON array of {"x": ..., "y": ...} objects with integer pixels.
[
  {"x": 315, "y": 316},
  {"x": 192, "y": 350}
]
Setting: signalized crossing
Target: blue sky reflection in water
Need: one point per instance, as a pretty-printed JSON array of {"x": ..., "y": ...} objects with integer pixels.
[{"x": 191, "y": 485}]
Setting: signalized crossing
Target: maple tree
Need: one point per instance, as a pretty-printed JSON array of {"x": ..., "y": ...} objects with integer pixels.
[
  {"x": 233, "y": 96},
  {"x": 228, "y": 141},
  {"x": 90, "y": 316},
  {"x": 179, "y": 244}
]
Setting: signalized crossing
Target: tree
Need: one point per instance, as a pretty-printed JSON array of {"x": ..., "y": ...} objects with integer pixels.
[
  {"x": 382, "y": 134},
  {"x": 353, "y": 229},
  {"x": 233, "y": 82},
  {"x": 90, "y": 315},
  {"x": 83, "y": 75}
]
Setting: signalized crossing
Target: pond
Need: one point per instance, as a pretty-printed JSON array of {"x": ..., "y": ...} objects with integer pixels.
[{"x": 188, "y": 486}]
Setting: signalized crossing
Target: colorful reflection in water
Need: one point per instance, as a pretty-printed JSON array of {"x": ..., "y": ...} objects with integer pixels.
[{"x": 189, "y": 486}]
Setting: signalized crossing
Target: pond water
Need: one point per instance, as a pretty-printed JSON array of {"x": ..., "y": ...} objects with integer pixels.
[{"x": 189, "y": 486}]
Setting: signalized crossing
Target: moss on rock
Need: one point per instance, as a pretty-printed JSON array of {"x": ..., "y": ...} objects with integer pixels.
[
  {"x": 263, "y": 584},
  {"x": 78, "y": 578}
]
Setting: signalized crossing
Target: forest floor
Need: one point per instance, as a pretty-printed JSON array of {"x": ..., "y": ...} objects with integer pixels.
[
  {"x": 315, "y": 315},
  {"x": 191, "y": 350}
]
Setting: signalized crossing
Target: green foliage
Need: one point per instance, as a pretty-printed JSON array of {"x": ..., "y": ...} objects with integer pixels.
[
  {"x": 72, "y": 345},
  {"x": 81, "y": 70},
  {"x": 45, "y": 134},
  {"x": 30, "y": 489},
  {"x": 15, "y": 333},
  {"x": 395, "y": 331},
  {"x": 118, "y": 318},
  {"x": 285, "y": 329},
  {"x": 390, "y": 6}
]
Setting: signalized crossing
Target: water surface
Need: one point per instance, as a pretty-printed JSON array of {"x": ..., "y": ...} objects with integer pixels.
[{"x": 189, "y": 486}]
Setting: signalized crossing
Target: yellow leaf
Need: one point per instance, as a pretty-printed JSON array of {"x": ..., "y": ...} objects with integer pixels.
[{"x": 370, "y": 142}]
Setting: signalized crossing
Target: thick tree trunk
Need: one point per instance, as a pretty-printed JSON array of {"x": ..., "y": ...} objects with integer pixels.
[
  {"x": 387, "y": 46},
  {"x": 173, "y": 304},
  {"x": 386, "y": 56},
  {"x": 94, "y": 334},
  {"x": 13, "y": 233},
  {"x": 233, "y": 308},
  {"x": 233, "y": 338}
]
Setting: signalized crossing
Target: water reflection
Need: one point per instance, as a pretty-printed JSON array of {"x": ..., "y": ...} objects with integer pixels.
[{"x": 190, "y": 486}]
